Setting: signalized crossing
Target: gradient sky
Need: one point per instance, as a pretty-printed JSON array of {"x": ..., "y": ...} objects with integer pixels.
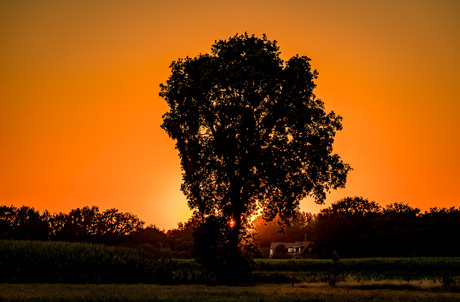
[{"x": 80, "y": 113}]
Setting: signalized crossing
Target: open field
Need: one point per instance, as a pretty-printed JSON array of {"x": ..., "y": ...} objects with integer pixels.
[
  {"x": 361, "y": 269},
  {"x": 57, "y": 271},
  {"x": 351, "y": 291},
  {"x": 77, "y": 263}
]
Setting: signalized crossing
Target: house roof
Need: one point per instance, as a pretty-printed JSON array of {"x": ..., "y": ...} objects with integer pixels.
[
  {"x": 302, "y": 244},
  {"x": 273, "y": 245}
]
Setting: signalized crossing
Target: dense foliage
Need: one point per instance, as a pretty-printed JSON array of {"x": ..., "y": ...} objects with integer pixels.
[
  {"x": 88, "y": 224},
  {"x": 396, "y": 230},
  {"x": 354, "y": 227},
  {"x": 81, "y": 225},
  {"x": 251, "y": 135},
  {"x": 357, "y": 227}
]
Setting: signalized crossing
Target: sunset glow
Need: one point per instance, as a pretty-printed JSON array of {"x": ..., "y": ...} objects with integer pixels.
[{"x": 80, "y": 113}]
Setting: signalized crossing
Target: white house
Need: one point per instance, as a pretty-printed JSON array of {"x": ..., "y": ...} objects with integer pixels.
[{"x": 294, "y": 249}]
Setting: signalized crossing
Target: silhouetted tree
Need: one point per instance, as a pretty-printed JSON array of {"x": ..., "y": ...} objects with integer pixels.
[
  {"x": 356, "y": 227},
  {"x": 113, "y": 226},
  {"x": 352, "y": 206},
  {"x": 180, "y": 239},
  {"x": 30, "y": 224},
  {"x": 341, "y": 226},
  {"x": 90, "y": 225},
  {"x": 250, "y": 133},
  {"x": 440, "y": 230},
  {"x": 151, "y": 235},
  {"x": 398, "y": 208},
  {"x": 77, "y": 225},
  {"x": 7, "y": 221},
  {"x": 23, "y": 223}
]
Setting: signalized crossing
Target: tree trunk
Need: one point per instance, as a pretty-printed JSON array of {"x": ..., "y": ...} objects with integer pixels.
[{"x": 236, "y": 264}]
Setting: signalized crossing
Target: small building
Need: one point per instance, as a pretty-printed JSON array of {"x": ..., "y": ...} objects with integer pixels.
[{"x": 296, "y": 249}]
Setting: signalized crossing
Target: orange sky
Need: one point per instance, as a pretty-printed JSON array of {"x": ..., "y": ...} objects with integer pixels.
[{"x": 80, "y": 113}]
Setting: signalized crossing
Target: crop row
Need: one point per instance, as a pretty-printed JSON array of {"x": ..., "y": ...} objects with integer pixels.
[
  {"x": 426, "y": 265},
  {"x": 60, "y": 262}
]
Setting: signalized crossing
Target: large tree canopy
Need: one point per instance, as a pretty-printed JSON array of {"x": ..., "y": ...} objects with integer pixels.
[
  {"x": 250, "y": 131},
  {"x": 251, "y": 135}
]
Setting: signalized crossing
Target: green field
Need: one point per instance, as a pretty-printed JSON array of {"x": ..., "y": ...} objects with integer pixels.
[
  {"x": 59, "y": 262},
  {"x": 57, "y": 271},
  {"x": 431, "y": 268}
]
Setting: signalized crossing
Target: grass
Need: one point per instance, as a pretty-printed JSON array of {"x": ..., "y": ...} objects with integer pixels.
[
  {"x": 419, "y": 265},
  {"x": 370, "y": 291},
  {"x": 57, "y": 271},
  {"x": 359, "y": 269}
]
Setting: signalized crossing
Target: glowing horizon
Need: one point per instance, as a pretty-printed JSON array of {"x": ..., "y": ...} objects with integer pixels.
[{"x": 80, "y": 113}]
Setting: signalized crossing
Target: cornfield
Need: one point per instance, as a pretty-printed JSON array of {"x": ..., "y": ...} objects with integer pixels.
[{"x": 61, "y": 262}]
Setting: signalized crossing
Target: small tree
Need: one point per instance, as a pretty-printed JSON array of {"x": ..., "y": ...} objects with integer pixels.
[
  {"x": 251, "y": 134},
  {"x": 352, "y": 206}
]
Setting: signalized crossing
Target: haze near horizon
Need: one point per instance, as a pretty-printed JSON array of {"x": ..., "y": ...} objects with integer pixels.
[{"x": 80, "y": 113}]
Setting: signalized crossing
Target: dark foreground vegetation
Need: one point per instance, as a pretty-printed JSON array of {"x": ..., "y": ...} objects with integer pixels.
[
  {"x": 359, "y": 292},
  {"x": 59, "y": 262},
  {"x": 60, "y": 271}
]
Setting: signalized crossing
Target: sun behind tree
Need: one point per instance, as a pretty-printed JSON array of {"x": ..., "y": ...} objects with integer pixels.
[{"x": 251, "y": 135}]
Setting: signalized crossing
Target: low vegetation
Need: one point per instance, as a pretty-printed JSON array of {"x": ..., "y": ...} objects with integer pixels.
[
  {"x": 57, "y": 257},
  {"x": 264, "y": 292},
  {"x": 60, "y": 262},
  {"x": 436, "y": 269},
  {"x": 59, "y": 271}
]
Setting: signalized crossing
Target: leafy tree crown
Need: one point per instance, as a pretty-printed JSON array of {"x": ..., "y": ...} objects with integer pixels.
[{"x": 250, "y": 131}]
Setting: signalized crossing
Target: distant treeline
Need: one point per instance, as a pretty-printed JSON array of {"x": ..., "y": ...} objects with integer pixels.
[
  {"x": 353, "y": 226},
  {"x": 89, "y": 224},
  {"x": 357, "y": 227}
]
